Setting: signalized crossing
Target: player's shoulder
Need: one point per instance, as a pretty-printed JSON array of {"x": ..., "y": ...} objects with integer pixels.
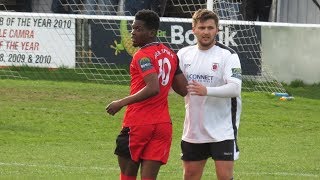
[
  {"x": 225, "y": 49},
  {"x": 141, "y": 53},
  {"x": 186, "y": 50},
  {"x": 162, "y": 45},
  {"x": 140, "y": 57},
  {"x": 168, "y": 48},
  {"x": 153, "y": 49}
]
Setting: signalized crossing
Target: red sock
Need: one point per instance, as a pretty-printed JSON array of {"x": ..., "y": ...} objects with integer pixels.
[{"x": 125, "y": 177}]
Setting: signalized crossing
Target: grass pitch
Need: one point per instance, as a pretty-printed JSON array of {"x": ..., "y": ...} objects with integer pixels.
[{"x": 59, "y": 130}]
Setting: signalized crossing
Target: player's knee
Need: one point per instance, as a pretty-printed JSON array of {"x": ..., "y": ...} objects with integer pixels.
[
  {"x": 191, "y": 173},
  {"x": 126, "y": 177},
  {"x": 143, "y": 178},
  {"x": 225, "y": 176}
]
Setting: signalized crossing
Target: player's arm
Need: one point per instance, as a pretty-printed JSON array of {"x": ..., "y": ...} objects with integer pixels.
[
  {"x": 230, "y": 89},
  {"x": 232, "y": 77},
  {"x": 151, "y": 89},
  {"x": 179, "y": 84}
]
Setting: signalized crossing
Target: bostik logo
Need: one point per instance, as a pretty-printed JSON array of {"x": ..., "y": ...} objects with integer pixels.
[{"x": 179, "y": 36}]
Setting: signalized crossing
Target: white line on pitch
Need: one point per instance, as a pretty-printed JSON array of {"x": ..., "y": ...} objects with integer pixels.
[
  {"x": 56, "y": 166},
  {"x": 279, "y": 174},
  {"x": 116, "y": 169}
]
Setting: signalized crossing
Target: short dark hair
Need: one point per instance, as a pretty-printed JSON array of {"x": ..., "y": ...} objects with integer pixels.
[
  {"x": 150, "y": 18},
  {"x": 203, "y": 15}
]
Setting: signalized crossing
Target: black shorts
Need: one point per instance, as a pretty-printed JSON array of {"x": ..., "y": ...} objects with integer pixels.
[{"x": 224, "y": 151}]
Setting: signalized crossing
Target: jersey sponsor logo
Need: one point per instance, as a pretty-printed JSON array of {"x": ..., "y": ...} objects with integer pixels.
[
  {"x": 215, "y": 66},
  {"x": 236, "y": 73},
  {"x": 145, "y": 64},
  {"x": 200, "y": 78}
]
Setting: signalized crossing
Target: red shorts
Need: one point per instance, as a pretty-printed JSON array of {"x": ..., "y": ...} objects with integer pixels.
[{"x": 148, "y": 142}]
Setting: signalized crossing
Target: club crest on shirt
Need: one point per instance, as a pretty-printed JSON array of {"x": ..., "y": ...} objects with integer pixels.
[
  {"x": 215, "y": 66},
  {"x": 145, "y": 64}
]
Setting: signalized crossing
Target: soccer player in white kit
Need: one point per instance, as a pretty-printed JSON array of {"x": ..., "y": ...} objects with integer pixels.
[{"x": 213, "y": 104}]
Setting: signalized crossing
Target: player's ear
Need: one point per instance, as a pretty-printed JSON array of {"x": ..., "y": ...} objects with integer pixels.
[
  {"x": 193, "y": 27},
  {"x": 217, "y": 30},
  {"x": 153, "y": 33}
]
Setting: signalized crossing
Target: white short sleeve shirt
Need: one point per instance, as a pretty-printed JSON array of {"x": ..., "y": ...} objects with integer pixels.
[{"x": 208, "y": 118}]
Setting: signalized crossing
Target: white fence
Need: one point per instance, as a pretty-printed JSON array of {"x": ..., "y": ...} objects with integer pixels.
[{"x": 292, "y": 51}]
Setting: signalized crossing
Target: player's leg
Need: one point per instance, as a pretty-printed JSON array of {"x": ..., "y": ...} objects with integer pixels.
[
  {"x": 224, "y": 170},
  {"x": 224, "y": 153},
  {"x": 156, "y": 152},
  {"x": 193, "y": 170},
  {"x": 130, "y": 144},
  {"x": 150, "y": 169},
  {"x": 194, "y": 158},
  {"x": 129, "y": 169}
]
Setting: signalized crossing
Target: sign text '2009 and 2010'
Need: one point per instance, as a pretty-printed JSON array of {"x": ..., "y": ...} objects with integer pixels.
[{"x": 25, "y": 58}]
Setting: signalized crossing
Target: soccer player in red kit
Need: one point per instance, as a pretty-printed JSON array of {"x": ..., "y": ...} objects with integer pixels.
[{"x": 145, "y": 138}]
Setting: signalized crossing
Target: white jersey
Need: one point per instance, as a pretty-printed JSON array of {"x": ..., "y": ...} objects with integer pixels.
[{"x": 208, "y": 118}]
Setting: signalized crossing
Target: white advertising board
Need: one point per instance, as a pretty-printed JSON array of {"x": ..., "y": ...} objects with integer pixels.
[{"x": 37, "y": 41}]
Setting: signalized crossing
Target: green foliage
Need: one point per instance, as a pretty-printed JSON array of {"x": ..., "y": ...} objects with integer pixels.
[
  {"x": 305, "y": 91},
  {"x": 297, "y": 83},
  {"x": 59, "y": 130}
]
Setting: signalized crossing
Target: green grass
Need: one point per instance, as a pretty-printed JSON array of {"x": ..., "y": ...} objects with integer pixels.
[
  {"x": 89, "y": 73},
  {"x": 59, "y": 130}
]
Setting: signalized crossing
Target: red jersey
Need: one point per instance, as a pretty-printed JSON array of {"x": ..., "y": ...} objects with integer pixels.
[{"x": 152, "y": 58}]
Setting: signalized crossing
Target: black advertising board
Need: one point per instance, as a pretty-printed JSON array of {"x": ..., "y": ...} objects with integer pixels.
[{"x": 113, "y": 42}]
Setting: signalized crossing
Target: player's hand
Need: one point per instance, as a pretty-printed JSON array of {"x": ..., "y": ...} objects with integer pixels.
[
  {"x": 114, "y": 107},
  {"x": 195, "y": 88}
]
